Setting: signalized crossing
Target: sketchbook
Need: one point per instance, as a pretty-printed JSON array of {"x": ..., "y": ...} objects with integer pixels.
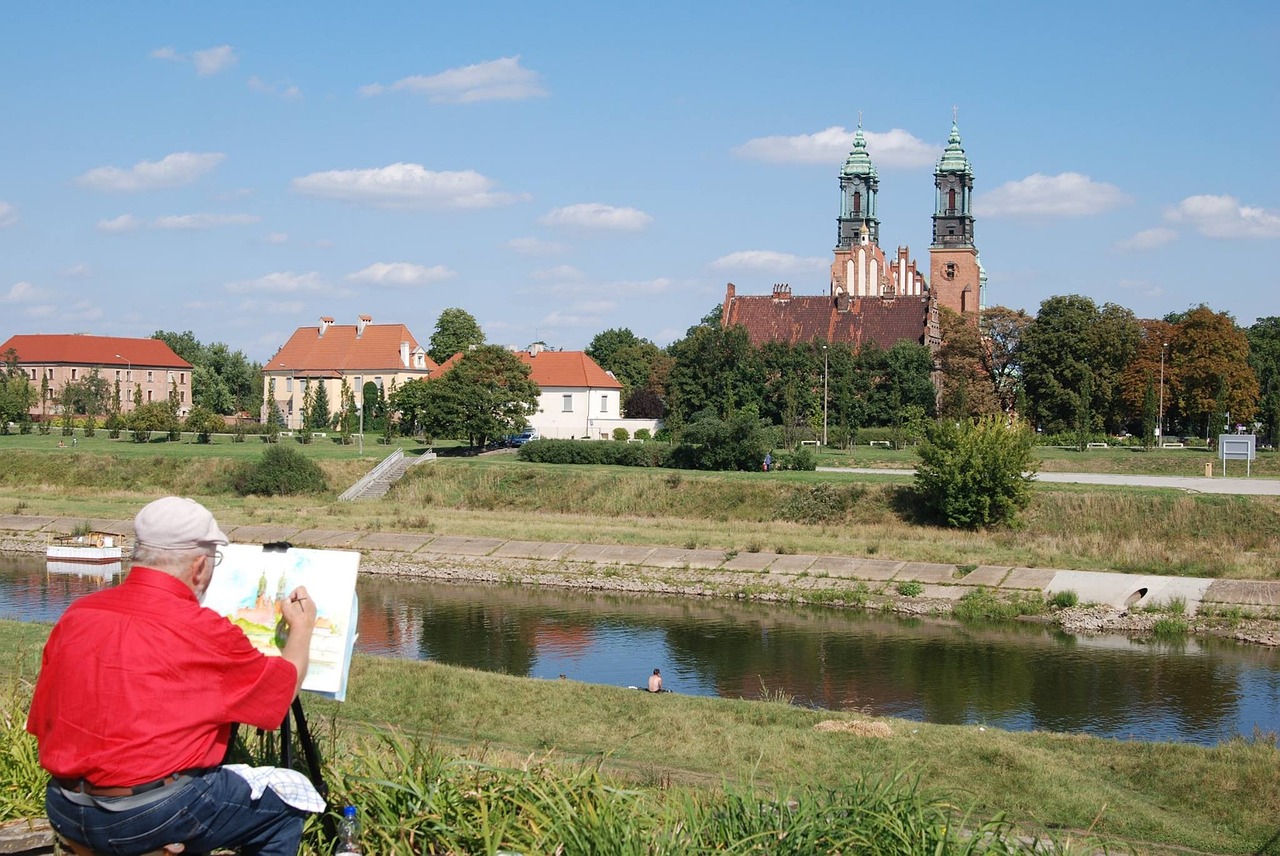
[{"x": 250, "y": 583}]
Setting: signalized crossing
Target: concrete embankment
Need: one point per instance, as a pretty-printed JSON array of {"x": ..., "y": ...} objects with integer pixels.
[{"x": 1109, "y": 601}]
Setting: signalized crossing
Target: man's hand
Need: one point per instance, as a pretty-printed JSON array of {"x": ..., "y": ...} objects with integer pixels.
[{"x": 299, "y": 610}]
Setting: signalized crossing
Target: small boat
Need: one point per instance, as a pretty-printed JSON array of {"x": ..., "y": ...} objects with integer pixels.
[{"x": 91, "y": 548}]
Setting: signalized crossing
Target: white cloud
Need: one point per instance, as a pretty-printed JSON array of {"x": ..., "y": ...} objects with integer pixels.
[
  {"x": 282, "y": 282},
  {"x": 1067, "y": 194},
  {"x": 76, "y": 271},
  {"x": 199, "y": 222},
  {"x": 1225, "y": 217},
  {"x": 405, "y": 184},
  {"x": 893, "y": 148},
  {"x": 8, "y": 214},
  {"x": 275, "y": 237},
  {"x": 173, "y": 170},
  {"x": 496, "y": 80},
  {"x": 123, "y": 223},
  {"x": 401, "y": 273},
  {"x": 562, "y": 272},
  {"x": 213, "y": 60},
  {"x": 46, "y": 310},
  {"x": 594, "y": 215},
  {"x": 207, "y": 62},
  {"x": 1147, "y": 239},
  {"x": 570, "y": 319},
  {"x": 595, "y": 306},
  {"x": 22, "y": 292},
  {"x": 1144, "y": 287},
  {"x": 282, "y": 89},
  {"x": 535, "y": 247},
  {"x": 768, "y": 260}
]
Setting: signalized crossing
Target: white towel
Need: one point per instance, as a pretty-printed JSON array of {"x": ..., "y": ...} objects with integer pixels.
[{"x": 290, "y": 785}]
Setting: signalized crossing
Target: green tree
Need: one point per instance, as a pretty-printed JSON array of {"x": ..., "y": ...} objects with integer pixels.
[
  {"x": 1264, "y": 356},
  {"x": 203, "y": 423},
  {"x": 17, "y": 396},
  {"x": 149, "y": 417},
  {"x": 222, "y": 380},
  {"x": 281, "y": 471},
  {"x": 456, "y": 330},
  {"x": 487, "y": 394},
  {"x": 347, "y": 413},
  {"x": 319, "y": 413},
  {"x": 972, "y": 475},
  {"x": 275, "y": 419},
  {"x": 899, "y": 377},
  {"x": 637, "y": 363},
  {"x": 708, "y": 442},
  {"x": 1070, "y": 338},
  {"x": 714, "y": 368},
  {"x": 1150, "y": 415}
]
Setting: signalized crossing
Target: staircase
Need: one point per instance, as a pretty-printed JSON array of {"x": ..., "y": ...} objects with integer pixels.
[{"x": 379, "y": 480}]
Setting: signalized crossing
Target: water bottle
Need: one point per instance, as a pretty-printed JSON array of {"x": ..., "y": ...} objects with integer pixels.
[{"x": 348, "y": 834}]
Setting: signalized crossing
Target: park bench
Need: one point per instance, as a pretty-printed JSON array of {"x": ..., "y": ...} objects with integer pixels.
[
  {"x": 1096, "y": 446},
  {"x": 1173, "y": 445},
  {"x": 887, "y": 444}
]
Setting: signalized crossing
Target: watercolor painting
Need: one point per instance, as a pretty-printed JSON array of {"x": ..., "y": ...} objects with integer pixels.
[{"x": 251, "y": 582}]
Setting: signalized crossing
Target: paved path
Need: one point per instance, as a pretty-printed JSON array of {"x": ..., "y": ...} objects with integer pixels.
[
  {"x": 946, "y": 582},
  {"x": 1256, "y": 486}
]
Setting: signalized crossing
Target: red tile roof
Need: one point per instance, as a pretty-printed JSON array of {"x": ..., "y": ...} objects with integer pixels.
[
  {"x": 94, "y": 351},
  {"x": 568, "y": 369},
  {"x": 802, "y": 319},
  {"x": 557, "y": 369},
  {"x": 307, "y": 353}
]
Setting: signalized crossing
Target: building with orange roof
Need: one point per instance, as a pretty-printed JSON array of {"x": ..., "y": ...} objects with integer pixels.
[
  {"x": 387, "y": 355},
  {"x": 148, "y": 365},
  {"x": 579, "y": 399}
]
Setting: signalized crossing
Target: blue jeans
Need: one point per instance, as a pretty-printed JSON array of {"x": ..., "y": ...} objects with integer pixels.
[{"x": 210, "y": 811}]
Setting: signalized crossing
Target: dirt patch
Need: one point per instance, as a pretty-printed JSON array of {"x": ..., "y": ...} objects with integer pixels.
[{"x": 857, "y": 727}]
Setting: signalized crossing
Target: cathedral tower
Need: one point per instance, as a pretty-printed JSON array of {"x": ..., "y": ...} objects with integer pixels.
[
  {"x": 859, "y": 262},
  {"x": 954, "y": 273}
]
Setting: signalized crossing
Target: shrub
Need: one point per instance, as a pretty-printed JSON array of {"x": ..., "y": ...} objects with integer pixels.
[
  {"x": 642, "y": 434},
  {"x": 910, "y": 588},
  {"x": 973, "y": 475},
  {"x": 803, "y": 459},
  {"x": 1065, "y": 599},
  {"x": 982, "y": 604},
  {"x": 621, "y": 434},
  {"x": 820, "y": 503},
  {"x": 1169, "y": 627},
  {"x": 282, "y": 470},
  {"x": 711, "y": 443}
]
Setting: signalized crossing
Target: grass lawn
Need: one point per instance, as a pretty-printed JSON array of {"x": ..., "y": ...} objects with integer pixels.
[{"x": 1220, "y": 800}]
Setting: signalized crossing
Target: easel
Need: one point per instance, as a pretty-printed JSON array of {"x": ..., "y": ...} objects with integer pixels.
[{"x": 310, "y": 753}]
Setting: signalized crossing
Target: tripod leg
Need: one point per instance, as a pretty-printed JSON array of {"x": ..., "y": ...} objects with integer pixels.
[{"x": 309, "y": 749}]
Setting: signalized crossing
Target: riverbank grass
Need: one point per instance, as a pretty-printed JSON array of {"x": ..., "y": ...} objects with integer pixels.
[{"x": 1222, "y": 799}]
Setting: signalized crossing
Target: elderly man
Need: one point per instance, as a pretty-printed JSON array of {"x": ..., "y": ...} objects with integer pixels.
[{"x": 138, "y": 689}]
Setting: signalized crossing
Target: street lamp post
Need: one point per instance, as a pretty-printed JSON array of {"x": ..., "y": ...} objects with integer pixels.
[
  {"x": 128, "y": 375},
  {"x": 824, "y": 396},
  {"x": 1160, "y": 417}
]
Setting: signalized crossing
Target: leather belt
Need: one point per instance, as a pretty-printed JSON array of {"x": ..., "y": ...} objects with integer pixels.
[{"x": 81, "y": 786}]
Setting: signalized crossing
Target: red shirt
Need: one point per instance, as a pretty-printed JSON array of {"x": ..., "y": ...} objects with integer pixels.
[{"x": 140, "y": 681}]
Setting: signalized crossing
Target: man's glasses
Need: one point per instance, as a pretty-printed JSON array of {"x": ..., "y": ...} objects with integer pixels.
[{"x": 217, "y": 558}]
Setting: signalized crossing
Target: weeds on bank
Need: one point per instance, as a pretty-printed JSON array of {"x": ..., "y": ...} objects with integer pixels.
[{"x": 983, "y": 604}]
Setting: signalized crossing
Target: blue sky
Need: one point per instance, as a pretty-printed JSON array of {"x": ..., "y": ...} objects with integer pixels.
[{"x": 239, "y": 170}]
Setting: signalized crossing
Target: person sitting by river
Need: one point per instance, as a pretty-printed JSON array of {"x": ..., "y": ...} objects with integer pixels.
[
  {"x": 655, "y": 682},
  {"x": 138, "y": 689}
]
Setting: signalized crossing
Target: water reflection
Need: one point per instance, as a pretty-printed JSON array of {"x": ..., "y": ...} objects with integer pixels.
[{"x": 1019, "y": 677}]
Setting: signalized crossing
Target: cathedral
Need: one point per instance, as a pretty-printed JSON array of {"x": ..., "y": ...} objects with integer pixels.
[{"x": 873, "y": 298}]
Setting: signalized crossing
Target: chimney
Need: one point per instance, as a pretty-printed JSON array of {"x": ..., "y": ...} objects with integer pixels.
[
  {"x": 404, "y": 354},
  {"x": 362, "y": 322},
  {"x": 536, "y": 348},
  {"x": 325, "y": 321},
  {"x": 781, "y": 291}
]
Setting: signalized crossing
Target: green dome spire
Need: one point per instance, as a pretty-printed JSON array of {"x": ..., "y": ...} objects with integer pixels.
[
  {"x": 953, "y": 159},
  {"x": 859, "y": 162}
]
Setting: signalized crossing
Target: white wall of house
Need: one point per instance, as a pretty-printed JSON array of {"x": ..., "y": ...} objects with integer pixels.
[
  {"x": 289, "y": 390},
  {"x": 568, "y": 412}
]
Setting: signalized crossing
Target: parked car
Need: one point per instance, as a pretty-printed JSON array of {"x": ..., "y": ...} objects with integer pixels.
[{"x": 523, "y": 437}]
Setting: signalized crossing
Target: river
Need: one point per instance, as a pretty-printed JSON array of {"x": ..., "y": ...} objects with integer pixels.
[{"x": 1012, "y": 676}]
